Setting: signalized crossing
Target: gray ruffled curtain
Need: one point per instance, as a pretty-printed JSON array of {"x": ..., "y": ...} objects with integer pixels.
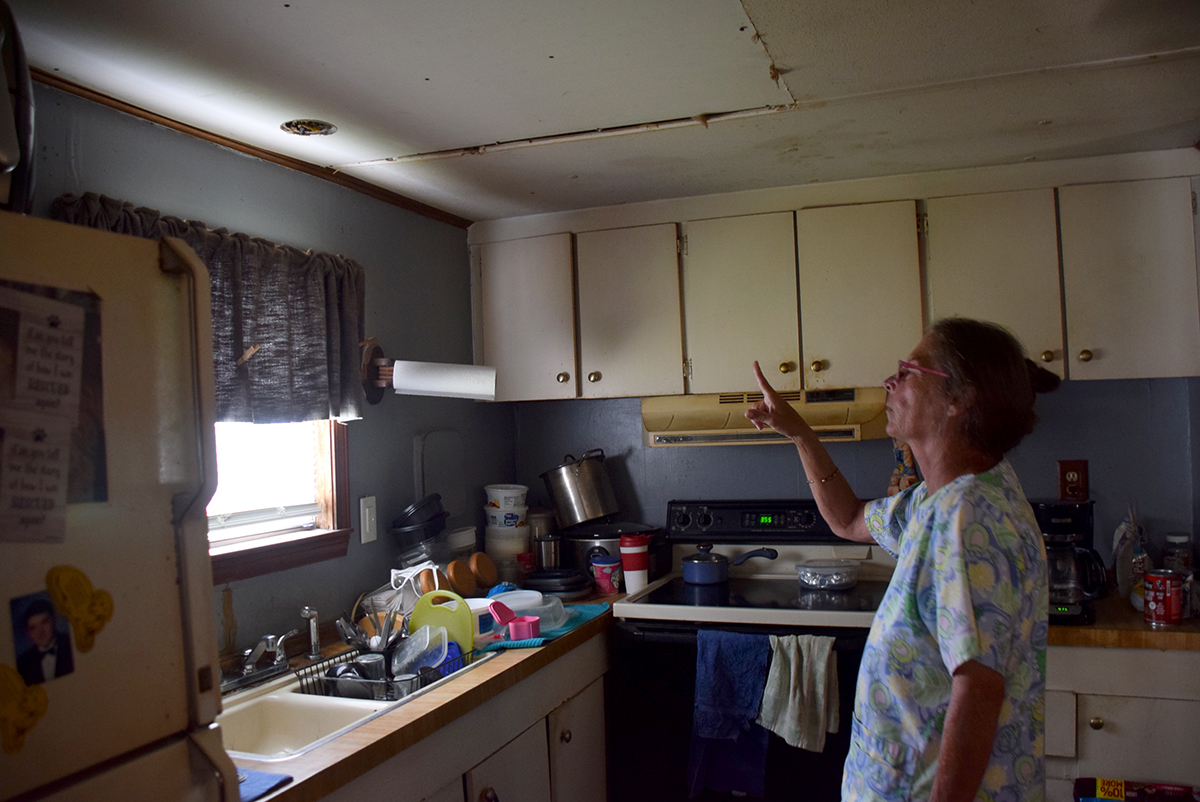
[{"x": 303, "y": 311}]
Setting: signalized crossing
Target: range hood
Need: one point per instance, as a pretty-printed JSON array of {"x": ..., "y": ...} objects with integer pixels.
[{"x": 719, "y": 419}]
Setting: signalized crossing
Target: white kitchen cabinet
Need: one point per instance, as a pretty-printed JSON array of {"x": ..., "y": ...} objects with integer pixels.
[
  {"x": 860, "y": 291},
  {"x": 578, "y": 767},
  {"x": 630, "y": 339},
  {"x": 739, "y": 302},
  {"x": 1135, "y": 715},
  {"x": 994, "y": 257},
  {"x": 1137, "y": 738},
  {"x": 527, "y": 303},
  {"x": 1129, "y": 277},
  {"x": 520, "y": 772}
]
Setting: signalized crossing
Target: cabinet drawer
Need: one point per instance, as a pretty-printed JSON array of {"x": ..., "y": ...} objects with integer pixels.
[{"x": 1134, "y": 738}]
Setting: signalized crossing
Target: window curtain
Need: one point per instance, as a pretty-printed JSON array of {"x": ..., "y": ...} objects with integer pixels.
[{"x": 286, "y": 323}]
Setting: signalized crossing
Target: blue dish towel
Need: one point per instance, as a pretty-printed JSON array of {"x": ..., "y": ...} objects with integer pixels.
[
  {"x": 728, "y": 750},
  {"x": 260, "y": 783}
]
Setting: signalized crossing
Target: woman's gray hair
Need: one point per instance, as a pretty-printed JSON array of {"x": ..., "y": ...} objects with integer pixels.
[{"x": 990, "y": 375}]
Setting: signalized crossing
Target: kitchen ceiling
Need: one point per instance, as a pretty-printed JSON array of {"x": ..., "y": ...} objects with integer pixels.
[{"x": 462, "y": 104}]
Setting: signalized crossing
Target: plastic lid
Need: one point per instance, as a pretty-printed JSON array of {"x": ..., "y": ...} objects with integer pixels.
[
  {"x": 605, "y": 559},
  {"x": 1178, "y": 537},
  {"x": 460, "y": 538}
]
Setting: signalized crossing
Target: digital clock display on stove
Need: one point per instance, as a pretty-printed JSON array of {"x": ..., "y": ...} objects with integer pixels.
[{"x": 770, "y": 520}]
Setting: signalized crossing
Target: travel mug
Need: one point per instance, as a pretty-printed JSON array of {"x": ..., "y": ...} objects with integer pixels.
[
  {"x": 635, "y": 561},
  {"x": 607, "y": 571}
]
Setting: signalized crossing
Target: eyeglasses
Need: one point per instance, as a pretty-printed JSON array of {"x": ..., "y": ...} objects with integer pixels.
[{"x": 908, "y": 367}]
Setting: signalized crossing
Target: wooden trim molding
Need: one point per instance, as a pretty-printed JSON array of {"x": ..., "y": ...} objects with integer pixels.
[
  {"x": 324, "y": 173},
  {"x": 333, "y": 476},
  {"x": 278, "y": 553}
]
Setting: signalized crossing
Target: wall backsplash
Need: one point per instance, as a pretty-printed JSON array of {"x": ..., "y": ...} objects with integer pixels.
[{"x": 1135, "y": 435}]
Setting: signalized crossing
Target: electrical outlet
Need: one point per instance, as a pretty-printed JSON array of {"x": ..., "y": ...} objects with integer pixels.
[
  {"x": 367, "y": 523},
  {"x": 1072, "y": 479}
]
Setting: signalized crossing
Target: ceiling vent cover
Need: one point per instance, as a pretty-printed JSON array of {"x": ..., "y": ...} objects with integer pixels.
[{"x": 309, "y": 127}]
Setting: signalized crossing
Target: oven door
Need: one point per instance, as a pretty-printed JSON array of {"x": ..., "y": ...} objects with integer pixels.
[{"x": 650, "y": 690}]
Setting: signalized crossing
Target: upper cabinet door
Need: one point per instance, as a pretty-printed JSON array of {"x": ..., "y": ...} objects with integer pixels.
[
  {"x": 528, "y": 302},
  {"x": 1129, "y": 273},
  {"x": 994, "y": 257},
  {"x": 860, "y": 291},
  {"x": 630, "y": 343},
  {"x": 739, "y": 302}
]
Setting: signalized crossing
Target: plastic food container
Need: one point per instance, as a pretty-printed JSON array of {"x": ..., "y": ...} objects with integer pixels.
[
  {"x": 505, "y": 497},
  {"x": 509, "y": 516},
  {"x": 460, "y": 542},
  {"x": 505, "y": 542},
  {"x": 827, "y": 574}
]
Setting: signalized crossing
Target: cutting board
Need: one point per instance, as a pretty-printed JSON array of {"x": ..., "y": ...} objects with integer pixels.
[{"x": 450, "y": 612}]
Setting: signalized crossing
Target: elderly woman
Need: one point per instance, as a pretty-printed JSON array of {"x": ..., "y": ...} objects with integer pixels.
[{"x": 951, "y": 690}]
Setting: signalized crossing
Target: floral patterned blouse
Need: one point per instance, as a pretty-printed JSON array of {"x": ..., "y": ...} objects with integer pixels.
[{"x": 970, "y": 584}]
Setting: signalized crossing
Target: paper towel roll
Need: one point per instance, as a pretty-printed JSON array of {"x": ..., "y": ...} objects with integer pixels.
[{"x": 444, "y": 380}]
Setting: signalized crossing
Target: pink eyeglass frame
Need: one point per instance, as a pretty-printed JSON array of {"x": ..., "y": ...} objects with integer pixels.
[{"x": 921, "y": 368}]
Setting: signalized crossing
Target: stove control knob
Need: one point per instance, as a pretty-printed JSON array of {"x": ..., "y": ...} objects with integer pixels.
[
  {"x": 705, "y": 520},
  {"x": 683, "y": 520}
]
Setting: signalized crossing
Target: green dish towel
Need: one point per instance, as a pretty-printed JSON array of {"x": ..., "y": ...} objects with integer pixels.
[
  {"x": 578, "y": 615},
  {"x": 800, "y": 700}
]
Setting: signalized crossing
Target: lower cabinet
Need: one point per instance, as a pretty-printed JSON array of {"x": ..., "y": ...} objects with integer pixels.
[
  {"x": 520, "y": 772},
  {"x": 541, "y": 740},
  {"x": 1126, "y": 714}
]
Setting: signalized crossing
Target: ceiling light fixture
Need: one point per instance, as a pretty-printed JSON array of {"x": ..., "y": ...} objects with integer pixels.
[{"x": 309, "y": 127}]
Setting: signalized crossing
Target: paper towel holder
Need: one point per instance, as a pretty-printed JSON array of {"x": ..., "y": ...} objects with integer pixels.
[{"x": 443, "y": 380}]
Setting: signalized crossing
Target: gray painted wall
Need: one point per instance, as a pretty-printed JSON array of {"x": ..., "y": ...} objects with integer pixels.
[
  {"x": 417, "y": 305},
  {"x": 1136, "y": 436}
]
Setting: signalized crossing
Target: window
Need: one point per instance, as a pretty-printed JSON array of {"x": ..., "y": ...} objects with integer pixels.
[{"x": 282, "y": 498}]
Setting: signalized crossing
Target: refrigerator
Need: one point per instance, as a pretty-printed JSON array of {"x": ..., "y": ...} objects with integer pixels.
[{"x": 109, "y": 677}]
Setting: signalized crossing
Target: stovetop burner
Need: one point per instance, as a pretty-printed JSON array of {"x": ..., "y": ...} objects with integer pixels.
[{"x": 767, "y": 594}]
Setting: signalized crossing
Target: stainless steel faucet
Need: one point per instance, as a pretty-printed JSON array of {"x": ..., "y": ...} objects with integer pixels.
[
  {"x": 250, "y": 672},
  {"x": 314, "y": 637}
]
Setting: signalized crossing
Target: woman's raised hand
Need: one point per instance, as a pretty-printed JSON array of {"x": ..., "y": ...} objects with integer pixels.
[{"x": 773, "y": 411}]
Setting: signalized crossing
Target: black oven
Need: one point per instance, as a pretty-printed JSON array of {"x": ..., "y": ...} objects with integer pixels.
[{"x": 650, "y": 687}]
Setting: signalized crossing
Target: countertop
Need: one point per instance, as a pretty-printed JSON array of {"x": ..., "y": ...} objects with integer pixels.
[
  {"x": 1119, "y": 625},
  {"x": 330, "y": 766}
]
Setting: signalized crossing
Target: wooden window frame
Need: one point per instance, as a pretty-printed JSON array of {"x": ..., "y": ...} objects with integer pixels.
[{"x": 331, "y": 538}]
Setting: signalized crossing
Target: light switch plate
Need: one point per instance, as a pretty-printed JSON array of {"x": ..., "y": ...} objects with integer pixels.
[{"x": 367, "y": 522}]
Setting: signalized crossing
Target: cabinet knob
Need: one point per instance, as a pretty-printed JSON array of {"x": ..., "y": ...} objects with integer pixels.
[
  {"x": 563, "y": 377},
  {"x": 1085, "y": 355},
  {"x": 1047, "y": 356},
  {"x": 818, "y": 365},
  {"x": 1096, "y": 723},
  {"x": 785, "y": 367},
  {"x": 565, "y": 737},
  {"x": 488, "y": 795},
  {"x": 594, "y": 376}
]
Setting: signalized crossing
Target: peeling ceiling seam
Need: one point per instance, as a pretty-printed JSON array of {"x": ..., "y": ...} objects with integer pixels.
[{"x": 741, "y": 114}]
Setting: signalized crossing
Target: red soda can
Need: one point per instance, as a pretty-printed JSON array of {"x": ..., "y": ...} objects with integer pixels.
[{"x": 1164, "y": 598}]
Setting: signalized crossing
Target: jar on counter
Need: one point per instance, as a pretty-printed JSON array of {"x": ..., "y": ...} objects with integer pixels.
[{"x": 1178, "y": 554}]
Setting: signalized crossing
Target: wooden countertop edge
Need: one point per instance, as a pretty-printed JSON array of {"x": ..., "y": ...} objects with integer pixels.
[
  {"x": 1120, "y": 626},
  {"x": 328, "y": 767}
]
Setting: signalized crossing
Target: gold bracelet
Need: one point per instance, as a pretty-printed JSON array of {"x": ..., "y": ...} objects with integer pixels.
[{"x": 826, "y": 479}]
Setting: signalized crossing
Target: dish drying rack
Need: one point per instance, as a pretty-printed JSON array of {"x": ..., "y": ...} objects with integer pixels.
[{"x": 313, "y": 679}]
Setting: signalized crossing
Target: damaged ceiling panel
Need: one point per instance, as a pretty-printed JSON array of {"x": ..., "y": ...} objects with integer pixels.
[
  {"x": 865, "y": 87},
  {"x": 828, "y": 49}
]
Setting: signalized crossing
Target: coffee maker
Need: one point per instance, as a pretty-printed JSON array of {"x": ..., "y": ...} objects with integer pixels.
[{"x": 1076, "y": 570}]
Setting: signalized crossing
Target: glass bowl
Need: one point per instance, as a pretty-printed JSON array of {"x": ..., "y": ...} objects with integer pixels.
[{"x": 827, "y": 574}]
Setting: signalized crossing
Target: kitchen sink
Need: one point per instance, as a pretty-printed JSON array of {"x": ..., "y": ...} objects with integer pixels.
[
  {"x": 277, "y": 721},
  {"x": 286, "y": 723}
]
